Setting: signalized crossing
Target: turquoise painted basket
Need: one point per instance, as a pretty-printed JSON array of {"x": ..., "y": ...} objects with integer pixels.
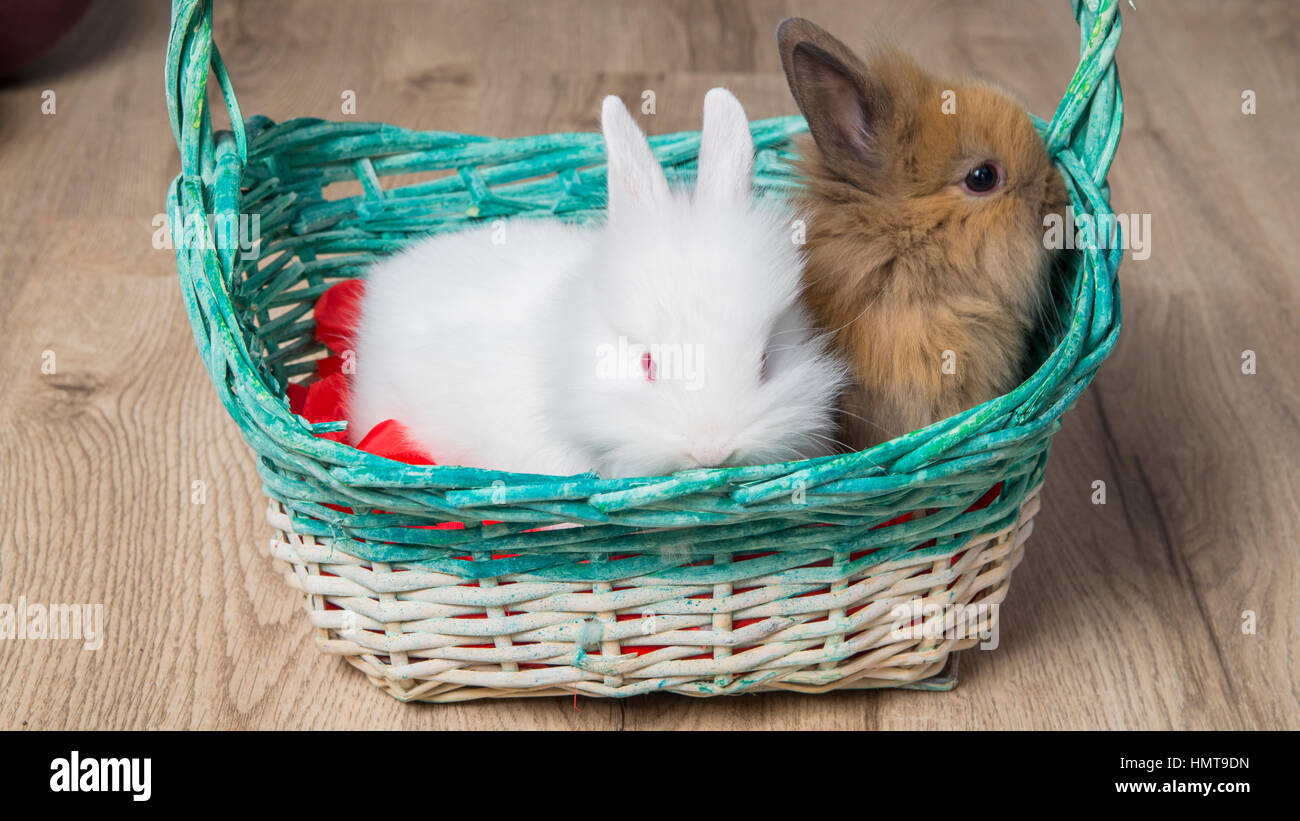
[{"x": 707, "y": 582}]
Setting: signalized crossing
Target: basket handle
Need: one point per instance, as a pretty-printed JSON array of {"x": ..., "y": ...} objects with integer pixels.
[
  {"x": 191, "y": 54},
  {"x": 1092, "y": 94}
]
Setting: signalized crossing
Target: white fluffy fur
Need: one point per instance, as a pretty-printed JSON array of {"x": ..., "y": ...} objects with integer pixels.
[{"x": 489, "y": 352}]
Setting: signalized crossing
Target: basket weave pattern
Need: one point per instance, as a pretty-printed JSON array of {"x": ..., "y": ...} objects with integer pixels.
[
  {"x": 707, "y": 582},
  {"x": 401, "y": 630}
]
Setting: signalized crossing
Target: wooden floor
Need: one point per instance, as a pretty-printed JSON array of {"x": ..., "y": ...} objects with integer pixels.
[{"x": 1123, "y": 615}]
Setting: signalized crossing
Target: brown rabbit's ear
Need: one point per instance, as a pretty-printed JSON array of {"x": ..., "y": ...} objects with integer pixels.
[{"x": 846, "y": 107}]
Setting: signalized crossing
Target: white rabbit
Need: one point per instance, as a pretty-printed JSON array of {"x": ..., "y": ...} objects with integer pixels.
[{"x": 671, "y": 337}]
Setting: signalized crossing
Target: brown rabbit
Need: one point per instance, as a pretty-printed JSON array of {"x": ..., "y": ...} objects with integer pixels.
[{"x": 925, "y": 235}]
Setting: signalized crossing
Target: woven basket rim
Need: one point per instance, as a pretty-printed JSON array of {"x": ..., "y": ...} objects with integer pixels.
[{"x": 1081, "y": 136}]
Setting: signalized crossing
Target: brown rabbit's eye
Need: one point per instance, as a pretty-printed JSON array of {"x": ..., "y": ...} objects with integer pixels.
[{"x": 983, "y": 178}]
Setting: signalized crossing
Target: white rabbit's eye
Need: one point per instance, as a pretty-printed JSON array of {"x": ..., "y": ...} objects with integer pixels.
[
  {"x": 762, "y": 367},
  {"x": 649, "y": 367}
]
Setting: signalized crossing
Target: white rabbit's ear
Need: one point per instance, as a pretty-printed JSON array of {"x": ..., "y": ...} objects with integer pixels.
[
  {"x": 726, "y": 151},
  {"x": 635, "y": 177}
]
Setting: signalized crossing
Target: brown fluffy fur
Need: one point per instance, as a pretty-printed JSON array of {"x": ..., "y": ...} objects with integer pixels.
[{"x": 902, "y": 263}]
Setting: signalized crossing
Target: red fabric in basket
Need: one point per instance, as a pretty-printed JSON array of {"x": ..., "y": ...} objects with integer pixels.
[
  {"x": 326, "y": 400},
  {"x": 338, "y": 311}
]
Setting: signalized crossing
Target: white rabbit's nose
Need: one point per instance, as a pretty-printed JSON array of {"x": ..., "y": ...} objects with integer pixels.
[{"x": 710, "y": 455}]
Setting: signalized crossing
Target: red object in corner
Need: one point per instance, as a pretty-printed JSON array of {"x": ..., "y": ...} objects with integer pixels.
[
  {"x": 28, "y": 30},
  {"x": 338, "y": 311},
  {"x": 326, "y": 400},
  {"x": 391, "y": 440},
  {"x": 987, "y": 499},
  {"x": 297, "y": 397}
]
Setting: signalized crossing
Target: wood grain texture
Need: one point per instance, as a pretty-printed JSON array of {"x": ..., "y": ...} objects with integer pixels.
[{"x": 1123, "y": 615}]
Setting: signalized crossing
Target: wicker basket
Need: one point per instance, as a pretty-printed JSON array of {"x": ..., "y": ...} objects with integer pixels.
[{"x": 708, "y": 582}]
